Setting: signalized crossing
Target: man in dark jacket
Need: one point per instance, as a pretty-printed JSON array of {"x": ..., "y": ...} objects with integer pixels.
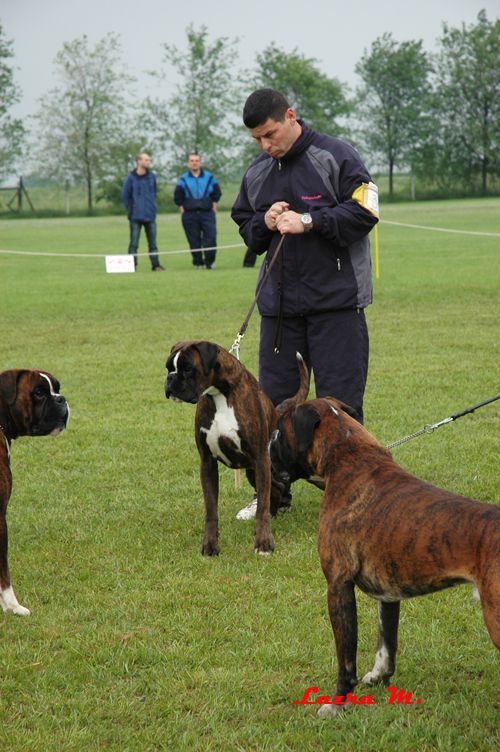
[
  {"x": 314, "y": 190},
  {"x": 196, "y": 194},
  {"x": 139, "y": 196}
]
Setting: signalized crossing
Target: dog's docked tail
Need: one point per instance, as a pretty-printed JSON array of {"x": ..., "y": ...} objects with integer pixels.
[{"x": 303, "y": 390}]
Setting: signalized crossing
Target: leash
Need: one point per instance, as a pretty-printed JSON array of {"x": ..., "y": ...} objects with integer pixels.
[
  {"x": 235, "y": 347},
  {"x": 431, "y": 427}
]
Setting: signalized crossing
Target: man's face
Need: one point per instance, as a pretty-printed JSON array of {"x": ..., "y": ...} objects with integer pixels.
[
  {"x": 144, "y": 161},
  {"x": 194, "y": 162},
  {"x": 277, "y": 137}
]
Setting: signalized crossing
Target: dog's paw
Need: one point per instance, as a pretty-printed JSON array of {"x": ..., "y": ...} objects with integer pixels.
[
  {"x": 210, "y": 548},
  {"x": 264, "y": 546},
  {"x": 329, "y": 711},
  {"x": 9, "y": 603},
  {"x": 373, "y": 677}
]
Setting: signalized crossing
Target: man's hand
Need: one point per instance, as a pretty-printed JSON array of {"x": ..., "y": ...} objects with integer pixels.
[
  {"x": 289, "y": 223},
  {"x": 272, "y": 214}
]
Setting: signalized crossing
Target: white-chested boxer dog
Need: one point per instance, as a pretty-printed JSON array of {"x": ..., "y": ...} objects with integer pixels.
[
  {"x": 233, "y": 424},
  {"x": 30, "y": 405}
]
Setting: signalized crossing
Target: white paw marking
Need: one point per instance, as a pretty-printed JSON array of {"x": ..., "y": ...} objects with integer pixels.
[{"x": 9, "y": 602}]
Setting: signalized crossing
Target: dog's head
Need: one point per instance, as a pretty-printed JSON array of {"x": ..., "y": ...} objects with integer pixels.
[
  {"x": 30, "y": 404},
  {"x": 300, "y": 446},
  {"x": 191, "y": 370}
]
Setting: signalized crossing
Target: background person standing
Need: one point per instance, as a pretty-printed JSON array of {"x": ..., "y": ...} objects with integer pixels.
[
  {"x": 139, "y": 197},
  {"x": 196, "y": 194}
]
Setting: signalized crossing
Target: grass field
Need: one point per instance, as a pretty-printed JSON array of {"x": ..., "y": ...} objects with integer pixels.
[{"x": 136, "y": 642}]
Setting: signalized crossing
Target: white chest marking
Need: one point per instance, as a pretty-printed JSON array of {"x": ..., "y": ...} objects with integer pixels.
[{"x": 224, "y": 425}]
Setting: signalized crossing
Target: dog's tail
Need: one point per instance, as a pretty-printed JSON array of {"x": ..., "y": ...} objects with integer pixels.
[{"x": 303, "y": 390}]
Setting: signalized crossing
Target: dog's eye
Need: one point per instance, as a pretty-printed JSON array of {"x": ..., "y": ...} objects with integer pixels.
[{"x": 39, "y": 393}]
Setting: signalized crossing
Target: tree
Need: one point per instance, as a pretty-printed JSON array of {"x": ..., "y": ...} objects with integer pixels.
[
  {"x": 201, "y": 115},
  {"x": 82, "y": 122},
  {"x": 318, "y": 99},
  {"x": 467, "y": 147},
  {"x": 393, "y": 101},
  {"x": 11, "y": 129}
]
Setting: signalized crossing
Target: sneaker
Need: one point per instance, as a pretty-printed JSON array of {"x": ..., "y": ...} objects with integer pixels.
[
  {"x": 158, "y": 268},
  {"x": 248, "y": 512},
  {"x": 212, "y": 266}
]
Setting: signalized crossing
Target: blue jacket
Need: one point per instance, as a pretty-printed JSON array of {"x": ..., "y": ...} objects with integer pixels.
[
  {"x": 328, "y": 268},
  {"x": 197, "y": 193},
  {"x": 139, "y": 196}
]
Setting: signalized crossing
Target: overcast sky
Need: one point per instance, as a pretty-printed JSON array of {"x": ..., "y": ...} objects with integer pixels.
[{"x": 335, "y": 33}]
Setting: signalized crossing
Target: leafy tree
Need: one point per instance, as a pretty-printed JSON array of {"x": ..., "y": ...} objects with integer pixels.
[
  {"x": 466, "y": 145},
  {"x": 318, "y": 99},
  {"x": 393, "y": 101},
  {"x": 11, "y": 129},
  {"x": 201, "y": 114},
  {"x": 82, "y": 121}
]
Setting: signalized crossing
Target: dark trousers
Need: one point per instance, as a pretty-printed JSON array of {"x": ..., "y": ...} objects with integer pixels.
[
  {"x": 135, "y": 233},
  {"x": 199, "y": 227},
  {"x": 335, "y": 346}
]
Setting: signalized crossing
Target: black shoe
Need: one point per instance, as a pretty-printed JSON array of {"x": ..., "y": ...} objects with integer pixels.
[{"x": 158, "y": 268}]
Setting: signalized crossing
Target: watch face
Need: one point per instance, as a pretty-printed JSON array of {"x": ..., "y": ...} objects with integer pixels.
[{"x": 306, "y": 220}]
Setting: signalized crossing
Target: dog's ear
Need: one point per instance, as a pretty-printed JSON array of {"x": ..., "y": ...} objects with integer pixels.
[
  {"x": 348, "y": 409},
  {"x": 209, "y": 352},
  {"x": 8, "y": 385},
  {"x": 304, "y": 421}
]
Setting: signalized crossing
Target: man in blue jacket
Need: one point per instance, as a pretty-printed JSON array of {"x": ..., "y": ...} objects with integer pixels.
[
  {"x": 314, "y": 190},
  {"x": 196, "y": 194},
  {"x": 139, "y": 197}
]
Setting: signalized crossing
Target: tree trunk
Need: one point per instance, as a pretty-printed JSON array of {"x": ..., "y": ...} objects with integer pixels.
[{"x": 391, "y": 179}]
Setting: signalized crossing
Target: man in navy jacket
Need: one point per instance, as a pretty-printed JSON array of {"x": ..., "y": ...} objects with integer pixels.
[
  {"x": 139, "y": 197},
  {"x": 314, "y": 190},
  {"x": 196, "y": 194}
]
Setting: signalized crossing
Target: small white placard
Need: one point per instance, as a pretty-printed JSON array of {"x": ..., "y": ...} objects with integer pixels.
[{"x": 120, "y": 264}]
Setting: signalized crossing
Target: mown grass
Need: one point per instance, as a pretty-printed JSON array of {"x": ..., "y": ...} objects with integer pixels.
[{"x": 136, "y": 642}]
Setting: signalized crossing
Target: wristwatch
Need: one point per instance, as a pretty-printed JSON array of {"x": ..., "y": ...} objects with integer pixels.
[{"x": 307, "y": 221}]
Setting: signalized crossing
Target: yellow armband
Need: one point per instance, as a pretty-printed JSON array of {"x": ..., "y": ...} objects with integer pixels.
[{"x": 367, "y": 197}]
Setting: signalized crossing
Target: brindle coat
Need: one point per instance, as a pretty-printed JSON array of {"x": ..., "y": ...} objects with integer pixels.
[{"x": 384, "y": 530}]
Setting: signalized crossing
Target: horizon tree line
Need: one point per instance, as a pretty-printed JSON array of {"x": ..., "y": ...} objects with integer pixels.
[{"x": 435, "y": 115}]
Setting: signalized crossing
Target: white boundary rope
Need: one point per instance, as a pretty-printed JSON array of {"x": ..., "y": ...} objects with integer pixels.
[
  {"x": 242, "y": 245},
  {"x": 442, "y": 229},
  {"x": 103, "y": 255}
]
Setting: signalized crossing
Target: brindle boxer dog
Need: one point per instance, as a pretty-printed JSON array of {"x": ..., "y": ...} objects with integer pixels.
[
  {"x": 382, "y": 529},
  {"x": 233, "y": 424},
  {"x": 30, "y": 405}
]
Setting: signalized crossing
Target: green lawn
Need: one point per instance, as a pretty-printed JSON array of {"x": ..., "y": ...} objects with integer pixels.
[{"x": 136, "y": 642}]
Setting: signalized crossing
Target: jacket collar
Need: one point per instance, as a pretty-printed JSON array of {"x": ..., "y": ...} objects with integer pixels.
[{"x": 300, "y": 144}]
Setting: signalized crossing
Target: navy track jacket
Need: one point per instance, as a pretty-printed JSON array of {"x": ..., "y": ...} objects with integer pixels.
[
  {"x": 328, "y": 268},
  {"x": 139, "y": 196},
  {"x": 197, "y": 193}
]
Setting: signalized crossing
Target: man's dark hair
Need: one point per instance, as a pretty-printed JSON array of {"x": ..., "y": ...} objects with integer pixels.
[{"x": 263, "y": 104}]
